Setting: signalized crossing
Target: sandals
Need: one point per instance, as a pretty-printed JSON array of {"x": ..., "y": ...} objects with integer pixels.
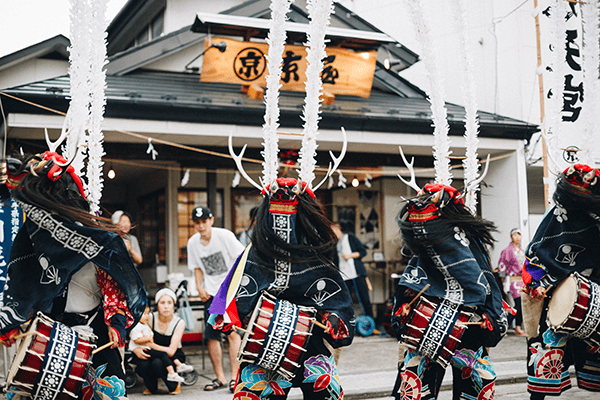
[
  {"x": 216, "y": 384},
  {"x": 231, "y": 385}
]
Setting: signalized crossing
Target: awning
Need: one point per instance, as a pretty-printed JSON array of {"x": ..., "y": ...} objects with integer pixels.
[{"x": 246, "y": 27}]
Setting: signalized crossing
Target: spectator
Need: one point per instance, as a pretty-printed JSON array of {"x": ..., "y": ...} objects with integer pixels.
[
  {"x": 350, "y": 251},
  {"x": 509, "y": 267},
  {"x": 211, "y": 253},
  {"x": 167, "y": 329},
  {"x": 142, "y": 336},
  {"x": 123, "y": 221},
  {"x": 246, "y": 237}
]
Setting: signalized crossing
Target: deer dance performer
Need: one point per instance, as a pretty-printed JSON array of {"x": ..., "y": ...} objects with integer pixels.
[
  {"x": 563, "y": 296},
  {"x": 460, "y": 311},
  {"x": 285, "y": 288},
  {"x": 67, "y": 263}
]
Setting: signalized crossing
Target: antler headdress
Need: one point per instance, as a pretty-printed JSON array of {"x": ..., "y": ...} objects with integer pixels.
[
  {"x": 435, "y": 94},
  {"x": 319, "y": 13}
]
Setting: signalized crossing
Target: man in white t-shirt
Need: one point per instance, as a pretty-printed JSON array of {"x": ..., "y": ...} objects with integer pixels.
[{"x": 211, "y": 253}]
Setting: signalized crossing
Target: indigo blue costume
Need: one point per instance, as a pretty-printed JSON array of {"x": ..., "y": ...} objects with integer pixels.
[
  {"x": 449, "y": 253},
  {"x": 567, "y": 241},
  {"x": 58, "y": 239},
  {"x": 290, "y": 258}
]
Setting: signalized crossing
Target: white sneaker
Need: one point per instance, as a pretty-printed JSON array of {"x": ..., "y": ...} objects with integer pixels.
[
  {"x": 184, "y": 368},
  {"x": 175, "y": 377}
]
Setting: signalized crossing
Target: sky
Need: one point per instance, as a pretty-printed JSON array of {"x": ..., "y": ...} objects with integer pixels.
[{"x": 27, "y": 22}]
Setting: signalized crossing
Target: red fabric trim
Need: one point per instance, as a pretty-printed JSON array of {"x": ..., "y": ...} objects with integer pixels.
[{"x": 113, "y": 298}]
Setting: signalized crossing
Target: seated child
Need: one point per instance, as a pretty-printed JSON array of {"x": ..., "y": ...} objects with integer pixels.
[{"x": 142, "y": 336}]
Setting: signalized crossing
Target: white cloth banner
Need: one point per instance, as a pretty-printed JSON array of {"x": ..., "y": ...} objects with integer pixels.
[{"x": 567, "y": 111}]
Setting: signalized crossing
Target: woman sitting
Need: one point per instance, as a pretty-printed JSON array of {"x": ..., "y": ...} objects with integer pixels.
[{"x": 168, "y": 330}]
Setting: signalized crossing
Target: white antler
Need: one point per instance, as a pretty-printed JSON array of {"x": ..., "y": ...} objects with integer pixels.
[
  {"x": 473, "y": 184},
  {"x": 413, "y": 181},
  {"x": 238, "y": 162},
  {"x": 336, "y": 161},
  {"x": 52, "y": 146}
]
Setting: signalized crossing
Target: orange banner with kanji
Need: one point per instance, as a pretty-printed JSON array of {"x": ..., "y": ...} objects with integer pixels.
[{"x": 344, "y": 71}]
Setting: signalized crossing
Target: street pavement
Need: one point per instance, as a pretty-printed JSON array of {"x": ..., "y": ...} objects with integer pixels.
[{"x": 368, "y": 370}]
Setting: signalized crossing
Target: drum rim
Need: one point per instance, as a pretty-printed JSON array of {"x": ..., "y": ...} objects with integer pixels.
[
  {"x": 21, "y": 352},
  {"x": 578, "y": 279}
]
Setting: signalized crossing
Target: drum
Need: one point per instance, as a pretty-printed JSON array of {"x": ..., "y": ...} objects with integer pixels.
[
  {"x": 433, "y": 330},
  {"x": 574, "y": 308},
  {"x": 50, "y": 362},
  {"x": 280, "y": 332}
]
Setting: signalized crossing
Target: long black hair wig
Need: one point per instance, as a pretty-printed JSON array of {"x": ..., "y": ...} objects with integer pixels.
[
  {"x": 452, "y": 214},
  {"x": 29, "y": 183},
  {"x": 315, "y": 239}
]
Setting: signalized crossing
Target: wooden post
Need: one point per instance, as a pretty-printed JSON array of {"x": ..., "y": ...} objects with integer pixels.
[{"x": 542, "y": 110}]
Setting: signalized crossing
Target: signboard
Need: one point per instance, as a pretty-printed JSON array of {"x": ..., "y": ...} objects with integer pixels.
[
  {"x": 11, "y": 219},
  {"x": 569, "y": 105},
  {"x": 345, "y": 71}
]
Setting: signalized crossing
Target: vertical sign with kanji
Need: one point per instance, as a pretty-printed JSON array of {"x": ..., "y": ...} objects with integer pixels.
[
  {"x": 11, "y": 219},
  {"x": 567, "y": 115}
]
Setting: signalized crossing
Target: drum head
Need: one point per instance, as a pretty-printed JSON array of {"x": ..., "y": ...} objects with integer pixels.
[
  {"x": 562, "y": 302},
  {"x": 22, "y": 351}
]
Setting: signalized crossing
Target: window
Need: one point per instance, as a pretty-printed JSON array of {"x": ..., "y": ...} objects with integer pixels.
[
  {"x": 156, "y": 26},
  {"x": 187, "y": 200},
  {"x": 151, "y": 31}
]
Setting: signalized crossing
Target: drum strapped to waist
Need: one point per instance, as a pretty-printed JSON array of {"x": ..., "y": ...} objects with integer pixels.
[
  {"x": 51, "y": 361},
  {"x": 574, "y": 308},
  {"x": 280, "y": 332},
  {"x": 435, "y": 328}
]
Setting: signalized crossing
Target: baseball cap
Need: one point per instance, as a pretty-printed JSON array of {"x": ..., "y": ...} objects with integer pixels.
[
  {"x": 201, "y": 212},
  {"x": 515, "y": 230}
]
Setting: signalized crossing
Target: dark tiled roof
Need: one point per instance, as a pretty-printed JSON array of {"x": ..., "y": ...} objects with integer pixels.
[{"x": 181, "y": 97}]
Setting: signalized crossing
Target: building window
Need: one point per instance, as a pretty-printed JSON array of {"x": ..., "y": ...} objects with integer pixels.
[
  {"x": 151, "y": 31},
  {"x": 187, "y": 200}
]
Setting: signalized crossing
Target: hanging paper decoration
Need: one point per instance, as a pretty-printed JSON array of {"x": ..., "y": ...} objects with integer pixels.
[
  {"x": 435, "y": 92},
  {"x": 470, "y": 163},
  {"x": 368, "y": 179},
  {"x": 79, "y": 58},
  {"x": 342, "y": 180},
  {"x": 151, "y": 150},
  {"x": 186, "y": 178},
  {"x": 276, "y": 41},
  {"x": 87, "y": 57},
  {"x": 97, "y": 82},
  {"x": 236, "y": 179},
  {"x": 319, "y": 13}
]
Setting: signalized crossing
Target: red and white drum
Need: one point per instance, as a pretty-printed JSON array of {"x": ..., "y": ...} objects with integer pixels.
[
  {"x": 434, "y": 328},
  {"x": 50, "y": 362},
  {"x": 574, "y": 308},
  {"x": 280, "y": 334}
]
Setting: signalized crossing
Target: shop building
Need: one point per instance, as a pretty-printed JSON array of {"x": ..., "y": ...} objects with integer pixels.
[{"x": 152, "y": 95}]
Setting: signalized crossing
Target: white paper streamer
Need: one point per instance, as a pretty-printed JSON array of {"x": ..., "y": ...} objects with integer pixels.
[
  {"x": 186, "y": 178},
  {"x": 342, "y": 180},
  {"x": 276, "y": 42},
  {"x": 591, "y": 84},
  {"x": 435, "y": 92},
  {"x": 97, "y": 85},
  {"x": 470, "y": 164},
  {"x": 319, "y": 12},
  {"x": 87, "y": 57},
  {"x": 236, "y": 179},
  {"x": 79, "y": 59},
  {"x": 151, "y": 150}
]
